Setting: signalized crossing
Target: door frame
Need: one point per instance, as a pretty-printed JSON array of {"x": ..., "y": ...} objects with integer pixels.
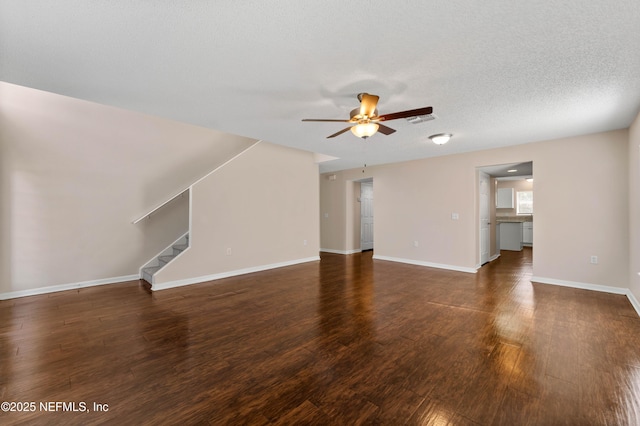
[
  {"x": 366, "y": 182},
  {"x": 482, "y": 175}
]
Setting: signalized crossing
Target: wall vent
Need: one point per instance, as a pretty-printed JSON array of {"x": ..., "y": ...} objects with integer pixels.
[{"x": 421, "y": 118}]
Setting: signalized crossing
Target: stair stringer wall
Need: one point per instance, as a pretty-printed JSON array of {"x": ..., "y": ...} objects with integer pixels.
[{"x": 262, "y": 208}]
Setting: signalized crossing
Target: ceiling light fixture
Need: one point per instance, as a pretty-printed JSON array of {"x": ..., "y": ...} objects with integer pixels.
[
  {"x": 440, "y": 138},
  {"x": 512, "y": 170},
  {"x": 364, "y": 130}
]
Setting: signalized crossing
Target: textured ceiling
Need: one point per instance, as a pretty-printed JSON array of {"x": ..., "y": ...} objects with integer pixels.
[{"x": 496, "y": 73}]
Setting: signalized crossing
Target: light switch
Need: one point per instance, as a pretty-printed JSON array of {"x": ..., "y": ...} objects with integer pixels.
[{"x": 455, "y": 216}]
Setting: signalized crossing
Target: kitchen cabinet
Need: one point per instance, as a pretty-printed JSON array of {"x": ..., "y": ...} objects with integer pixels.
[
  {"x": 527, "y": 233},
  {"x": 511, "y": 236},
  {"x": 504, "y": 200}
]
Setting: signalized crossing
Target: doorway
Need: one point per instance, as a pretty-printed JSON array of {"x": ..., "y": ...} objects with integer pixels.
[
  {"x": 366, "y": 215},
  {"x": 503, "y": 193}
]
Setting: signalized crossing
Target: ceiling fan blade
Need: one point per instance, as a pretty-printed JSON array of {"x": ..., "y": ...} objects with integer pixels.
[
  {"x": 368, "y": 104},
  {"x": 385, "y": 130},
  {"x": 327, "y": 120},
  {"x": 339, "y": 133},
  {"x": 406, "y": 114}
]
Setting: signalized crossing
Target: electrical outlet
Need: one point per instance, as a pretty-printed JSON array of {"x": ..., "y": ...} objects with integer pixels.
[
  {"x": 455, "y": 216},
  {"x": 594, "y": 260},
  {"x": 304, "y": 243},
  {"x": 229, "y": 251}
]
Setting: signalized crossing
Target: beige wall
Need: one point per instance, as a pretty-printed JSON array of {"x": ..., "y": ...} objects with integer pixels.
[
  {"x": 262, "y": 206},
  {"x": 73, "y": 176},
  {"x": 581, "y": 207},
  {"x": 332, "y": 218},
  {"x": 634, "y": 207}
]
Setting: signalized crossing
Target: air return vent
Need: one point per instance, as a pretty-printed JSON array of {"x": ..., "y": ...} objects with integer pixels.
[{"x": 421, "y": 118}]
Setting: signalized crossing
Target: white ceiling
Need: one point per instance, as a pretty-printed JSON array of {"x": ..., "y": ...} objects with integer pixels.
[{"x": 496, "y": 73}]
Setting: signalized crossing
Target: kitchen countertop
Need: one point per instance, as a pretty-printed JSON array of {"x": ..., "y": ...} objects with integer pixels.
[{"x": 511, "y": 219}]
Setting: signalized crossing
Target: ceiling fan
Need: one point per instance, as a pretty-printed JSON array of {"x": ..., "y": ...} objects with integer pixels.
[{"x": 366, "y": 121}]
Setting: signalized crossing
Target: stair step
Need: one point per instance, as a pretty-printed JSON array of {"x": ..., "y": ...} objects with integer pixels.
[
  {"x": 179, "y": 248},
  {"x": 166, "y": 259},
  {"x": 148, "y": 272},
  {"x": 151, "y": 269}
]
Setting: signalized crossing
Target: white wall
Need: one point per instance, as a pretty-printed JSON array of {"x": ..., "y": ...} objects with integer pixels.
[
  {"x": 73, "y": 176},
  {"x": 634, "y": 208},
  {"x": 581, "y": 207},
  {"x": 262, "y": 206}
]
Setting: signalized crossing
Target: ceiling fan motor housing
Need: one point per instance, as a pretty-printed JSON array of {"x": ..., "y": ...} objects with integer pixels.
[{"x": 355, "y": 115}]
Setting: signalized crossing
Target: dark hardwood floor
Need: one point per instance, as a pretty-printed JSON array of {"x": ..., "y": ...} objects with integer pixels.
[{"x": 344, "y": 341}]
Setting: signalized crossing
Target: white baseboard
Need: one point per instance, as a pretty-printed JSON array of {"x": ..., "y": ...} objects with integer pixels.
[
  {"x": 65, "y": 287},
  {"x": 213, "y": 277},
  {"x": 594, "y": 287},
  {"x": 491, "y": 259},
  {"x": 428, "y": 264},
  {"x": 341, "y": 251},
  {"x": 634, "y": 301},
  {"x": 584, "y": 286}
]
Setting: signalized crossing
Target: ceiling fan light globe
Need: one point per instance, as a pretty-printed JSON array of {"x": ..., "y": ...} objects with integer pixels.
[{"x": 364, "y": 130}]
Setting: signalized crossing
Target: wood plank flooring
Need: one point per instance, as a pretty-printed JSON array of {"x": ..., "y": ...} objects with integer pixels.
[{"x": 344, "y": 341}]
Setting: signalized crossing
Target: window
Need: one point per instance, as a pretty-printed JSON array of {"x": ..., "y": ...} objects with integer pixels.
[{"x": 524, "y": 203}]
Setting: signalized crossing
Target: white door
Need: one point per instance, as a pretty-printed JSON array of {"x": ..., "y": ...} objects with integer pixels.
[
  {"x": 485, "y": 241},
  {"x": 366, "y": 216}
]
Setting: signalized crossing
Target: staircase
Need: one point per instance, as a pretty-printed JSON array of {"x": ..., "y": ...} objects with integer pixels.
[{"x": 148, "y": 271}]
